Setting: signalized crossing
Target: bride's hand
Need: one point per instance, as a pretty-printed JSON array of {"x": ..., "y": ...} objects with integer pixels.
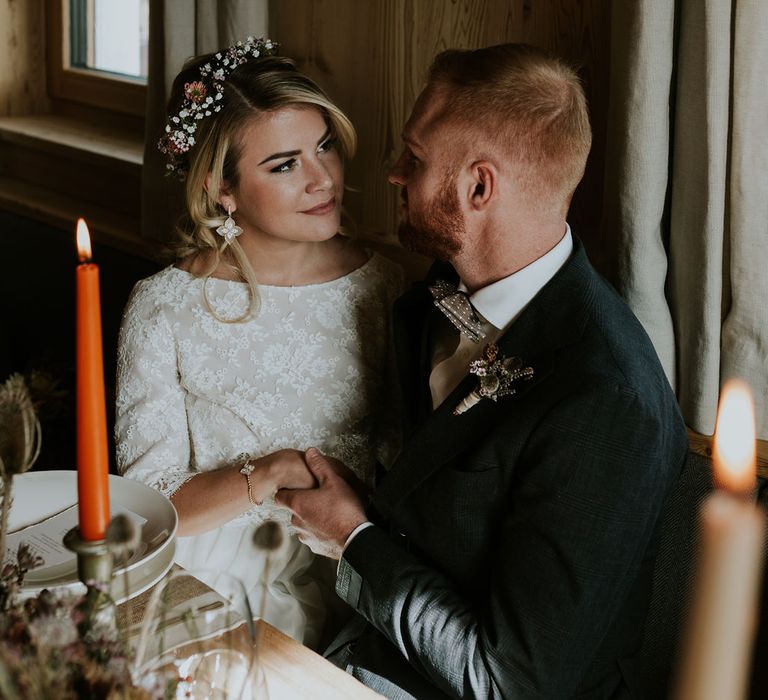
[{"x": 288, "y": 470}]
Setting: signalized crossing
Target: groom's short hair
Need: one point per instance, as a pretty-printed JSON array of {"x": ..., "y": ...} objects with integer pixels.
[{"x": 524, "y": 101}]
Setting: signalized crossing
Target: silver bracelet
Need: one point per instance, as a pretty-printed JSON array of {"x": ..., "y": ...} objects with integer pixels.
[{"x": 247, "y": 470}]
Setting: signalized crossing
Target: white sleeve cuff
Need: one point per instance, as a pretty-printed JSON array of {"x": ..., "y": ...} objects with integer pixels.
[{"x": 352, "y": 536}]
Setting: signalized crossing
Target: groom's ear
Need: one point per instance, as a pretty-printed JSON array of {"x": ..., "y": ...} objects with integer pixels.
[{"x": 482, "y": 183}]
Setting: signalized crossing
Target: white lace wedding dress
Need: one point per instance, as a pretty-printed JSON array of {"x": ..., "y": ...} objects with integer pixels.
[{"x": 195, "y": 394}]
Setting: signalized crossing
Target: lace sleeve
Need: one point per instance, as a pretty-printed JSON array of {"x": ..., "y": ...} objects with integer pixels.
[{"x": 151, "y": 432}]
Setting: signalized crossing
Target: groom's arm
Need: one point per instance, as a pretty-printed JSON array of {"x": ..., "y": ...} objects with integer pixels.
[{"x": 576, "y": 527}]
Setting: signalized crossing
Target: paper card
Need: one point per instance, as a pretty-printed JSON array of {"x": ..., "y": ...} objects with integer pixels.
[{"x": 45, "y": 538}]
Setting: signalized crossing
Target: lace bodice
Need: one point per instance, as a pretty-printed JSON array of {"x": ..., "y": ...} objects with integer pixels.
[{"x": 195, "y": 394}]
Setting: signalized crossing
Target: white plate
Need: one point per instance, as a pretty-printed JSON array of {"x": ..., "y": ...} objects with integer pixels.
[{"x": 40, "y": 495}]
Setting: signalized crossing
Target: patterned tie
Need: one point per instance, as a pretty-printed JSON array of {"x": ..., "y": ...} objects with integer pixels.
[{"x": 458, "y": 309}]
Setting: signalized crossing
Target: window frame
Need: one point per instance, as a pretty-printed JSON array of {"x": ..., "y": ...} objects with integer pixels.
[{"x": 94, "y": 88}]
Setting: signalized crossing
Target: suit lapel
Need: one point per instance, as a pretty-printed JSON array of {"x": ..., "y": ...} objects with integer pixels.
[
  {"x": 554, "y": 319},
  {"x": 443, "y": 435},
  {"x": 412, "y": 312},
  {"x": 410, "y": 342}
]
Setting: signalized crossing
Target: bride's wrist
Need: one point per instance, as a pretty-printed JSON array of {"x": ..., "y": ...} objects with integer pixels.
[
  {"x": 261, "y": 481},
  {"x": 270, "y": 474}
]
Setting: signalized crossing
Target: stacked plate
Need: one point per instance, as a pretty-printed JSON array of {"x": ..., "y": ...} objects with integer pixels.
[{"x": 45, "y": 506}]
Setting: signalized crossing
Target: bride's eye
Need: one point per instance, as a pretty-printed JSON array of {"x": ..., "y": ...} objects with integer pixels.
[
  {"x": 284, "y": 167},
  {"x": 327, "y": 145}
]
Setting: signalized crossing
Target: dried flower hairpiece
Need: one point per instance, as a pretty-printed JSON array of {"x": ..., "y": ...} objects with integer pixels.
[{"x": 202, "y": 98}]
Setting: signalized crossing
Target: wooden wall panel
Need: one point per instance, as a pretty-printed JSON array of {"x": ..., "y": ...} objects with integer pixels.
[
  {"x": 22, "y": 58},
  {"x": 372, "y": 57}
]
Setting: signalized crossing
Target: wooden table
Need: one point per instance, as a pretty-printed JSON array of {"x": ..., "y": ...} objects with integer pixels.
[{"x": 292, "y": 671}]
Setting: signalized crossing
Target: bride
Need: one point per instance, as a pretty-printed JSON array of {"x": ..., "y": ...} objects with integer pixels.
[{"x": 268, "y": 336}]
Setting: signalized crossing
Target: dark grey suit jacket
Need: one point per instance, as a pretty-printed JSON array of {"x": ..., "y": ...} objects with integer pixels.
[{"x": 515, "y": 542}]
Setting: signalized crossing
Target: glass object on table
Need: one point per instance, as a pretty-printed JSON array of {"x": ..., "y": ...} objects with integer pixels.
[{"x": 197, "y": 640}]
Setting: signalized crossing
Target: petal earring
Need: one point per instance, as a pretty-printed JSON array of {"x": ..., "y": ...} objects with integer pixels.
[{"x": 229, "y": 230}]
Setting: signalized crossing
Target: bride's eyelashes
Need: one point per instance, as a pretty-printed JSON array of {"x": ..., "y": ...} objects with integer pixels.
[
  {"x": 288, "y": 165},
  {"x": 284, "y": 167}
]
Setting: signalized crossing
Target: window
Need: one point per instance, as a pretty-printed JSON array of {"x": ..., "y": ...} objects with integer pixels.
[
  {"x": 98, "y": 53},
  {"x": 110, "y": 36}
]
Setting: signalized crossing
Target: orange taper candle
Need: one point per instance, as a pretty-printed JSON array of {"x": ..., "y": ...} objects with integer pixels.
[{"x": 92, "y": 460}]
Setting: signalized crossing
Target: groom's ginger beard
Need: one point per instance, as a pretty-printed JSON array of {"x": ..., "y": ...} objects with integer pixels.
[{"x": 439, "y": 232}]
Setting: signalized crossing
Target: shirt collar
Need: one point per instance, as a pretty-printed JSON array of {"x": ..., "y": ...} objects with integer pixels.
[{"x": 502, "y": 302}]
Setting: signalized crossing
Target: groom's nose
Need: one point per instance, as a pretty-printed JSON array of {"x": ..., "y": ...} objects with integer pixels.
[{"x": 397, "y": 173}]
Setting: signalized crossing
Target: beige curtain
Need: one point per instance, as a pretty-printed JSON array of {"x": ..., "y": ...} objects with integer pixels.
[
  {"x": 687, "y": 190},
  {"x": 180, "y": 29}
]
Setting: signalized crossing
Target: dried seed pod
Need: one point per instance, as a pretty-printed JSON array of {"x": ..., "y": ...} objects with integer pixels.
[
  {"x": 123, "y": 536},
  {"x": 268, "y": 537},
  {"x": 19, "y": 428}
]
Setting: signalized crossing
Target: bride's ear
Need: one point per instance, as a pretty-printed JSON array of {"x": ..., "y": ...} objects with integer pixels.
[{"x": 225, "y": 198}]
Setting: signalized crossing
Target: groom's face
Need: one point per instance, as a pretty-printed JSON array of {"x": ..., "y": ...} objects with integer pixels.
[{"x": 432, "y": 221}]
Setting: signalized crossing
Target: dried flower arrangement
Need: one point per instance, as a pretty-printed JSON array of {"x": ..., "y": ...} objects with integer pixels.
[
  {"x": 50, "y": 644},
  {"x": 56, "y": 644}
]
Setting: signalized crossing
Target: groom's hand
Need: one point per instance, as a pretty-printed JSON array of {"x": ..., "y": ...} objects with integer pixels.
[
  {"x": 360, "y": 488},
  {"x": 325, "y": 515}
]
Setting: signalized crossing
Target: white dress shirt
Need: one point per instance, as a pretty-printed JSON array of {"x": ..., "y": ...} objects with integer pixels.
[{"x": 498, "y": 304}]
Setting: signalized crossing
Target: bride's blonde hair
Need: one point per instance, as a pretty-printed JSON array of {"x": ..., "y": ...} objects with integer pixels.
[{"x": 259, "y": 85}]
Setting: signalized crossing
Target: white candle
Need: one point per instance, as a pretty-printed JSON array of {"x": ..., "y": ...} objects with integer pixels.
[{"x": 721, "y": 627}]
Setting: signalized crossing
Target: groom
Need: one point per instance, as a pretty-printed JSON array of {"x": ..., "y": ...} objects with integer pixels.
[{"x": 508, "y": 551}]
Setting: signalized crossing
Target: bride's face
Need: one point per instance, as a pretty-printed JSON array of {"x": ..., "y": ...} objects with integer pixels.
[{"x": 291, "y": 177}]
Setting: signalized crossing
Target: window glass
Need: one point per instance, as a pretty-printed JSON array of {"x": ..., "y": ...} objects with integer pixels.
[{"x": 110, "y": 35}]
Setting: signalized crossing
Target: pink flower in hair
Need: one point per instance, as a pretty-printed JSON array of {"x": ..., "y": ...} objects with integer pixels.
[{"x": 195, "y": 91}]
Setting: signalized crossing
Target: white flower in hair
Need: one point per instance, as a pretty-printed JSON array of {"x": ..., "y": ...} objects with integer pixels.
[{"x": 199, "y": 98}]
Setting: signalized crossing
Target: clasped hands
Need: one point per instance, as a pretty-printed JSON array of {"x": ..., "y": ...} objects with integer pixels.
[{"x": 324, "y": 515}]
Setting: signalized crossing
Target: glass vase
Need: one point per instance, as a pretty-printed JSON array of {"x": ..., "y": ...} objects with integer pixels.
[{"x": 197, "y": 640}]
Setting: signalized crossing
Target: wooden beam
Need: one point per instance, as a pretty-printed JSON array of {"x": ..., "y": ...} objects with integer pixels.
[{"x": 22, "y": 57}]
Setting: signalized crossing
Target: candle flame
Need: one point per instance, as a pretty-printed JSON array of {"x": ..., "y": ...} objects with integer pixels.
[
  {"x": 83, "y": 241},
  {"x": 734, "y": 452}
]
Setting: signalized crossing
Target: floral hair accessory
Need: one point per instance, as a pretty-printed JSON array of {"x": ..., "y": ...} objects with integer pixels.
[
  {"x": 202, "y": 98},
  {"x": 497, "y": 375}
]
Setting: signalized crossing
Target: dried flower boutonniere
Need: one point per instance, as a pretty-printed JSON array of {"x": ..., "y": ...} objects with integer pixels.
[{"x": 496, "y": 374}]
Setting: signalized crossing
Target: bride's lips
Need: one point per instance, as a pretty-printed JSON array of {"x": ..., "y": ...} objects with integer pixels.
[{"x": 321, "y": 209}]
